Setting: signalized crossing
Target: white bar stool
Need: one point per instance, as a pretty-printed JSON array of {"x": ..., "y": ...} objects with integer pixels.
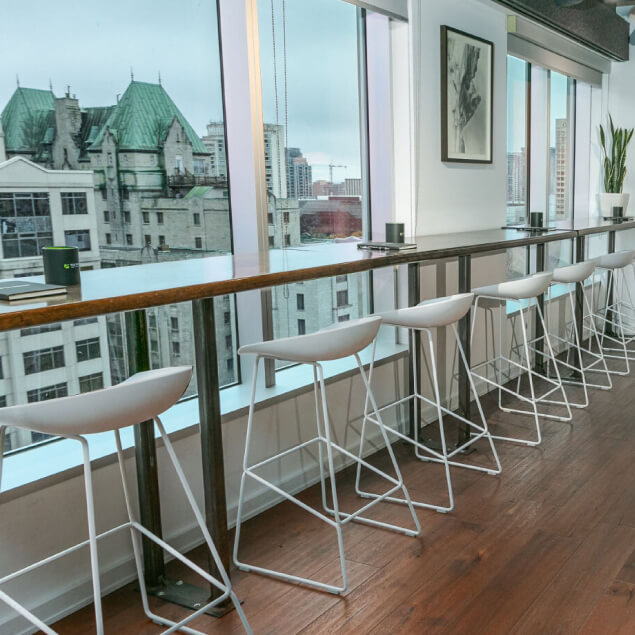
[
  {"x": 329, "y": 344},
  {"x": 571, "y": 276},
  {"x": 142, "y": 397},
  {"x": 424, "y": 317},
  {"x": 520, "y": 291},
  {"x": 618, "y": 318}
]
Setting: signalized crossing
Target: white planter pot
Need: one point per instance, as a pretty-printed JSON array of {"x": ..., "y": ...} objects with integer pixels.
[{"x": 609, "y": 201}]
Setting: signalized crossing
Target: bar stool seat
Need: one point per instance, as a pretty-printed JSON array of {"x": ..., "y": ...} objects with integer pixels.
[
  {"x": 520, "y": 289},
  {"x": 427, "y": 315},
  {"x": 325, "y": 345},
  {"x": 617, "y": 260},
  {"x": 339, "y": 341},
  {"x": 432, "y": 313},
  {"x": 571, "y": 274},
  {"x": 140, "y": 398}
]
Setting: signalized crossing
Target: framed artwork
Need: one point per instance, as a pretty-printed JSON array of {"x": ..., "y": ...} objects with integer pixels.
[{"x": 467, "y": 95}]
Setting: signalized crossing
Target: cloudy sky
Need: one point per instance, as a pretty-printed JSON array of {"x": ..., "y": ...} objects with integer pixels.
[{"x": 91, "y": 45}]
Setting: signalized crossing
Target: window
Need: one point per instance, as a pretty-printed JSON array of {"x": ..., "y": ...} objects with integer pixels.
[
  {"x": 147, "y": 239},
  {"x": 106, "y": 216},
  {"x": 43, "y": 360},
  {"x": 228, "y": 341},
  {"x": 176, "y": 348},
  {"x": 198, "y": 242},
  {"x": 79, "y": 238},
  {"x": 271, "y": 239},
  {"x": 330, "y": 88},
  {"x": 339, "y": 279},
  {"x": 37, "y": 330},
  {"x": 343, "y": 318},
  {"x": 161, "y": 240},
  {"x": 94, "y": 381},
  {"x": 229, "y": 363},
  {"x": 128, "y": 239},
  {"x": 87, "y": 349},
  {"x": 146, "y": 218},
  {"x": 197, "y": 218},
  {"x": 126, "y": 217},
  {"x": 108, "y": 239},
  {"x": 83, "y": 321},
  {"x": 104, "y": 194},
  {"x": 1, "y": 369},
  {"x": 300, "y": 301},
  {"x": 74, "y": 203},
  {"x": 174, "y": 323},
  {"x": 125, "y": 194},
  {"x": 301, "y": 327},
  {"x": 160, "y": 218},
  {"x": 227, "y": 317},
  {"x": 199, "y": 167},
  {"x": 517, "y": 139},
  {"x": 270, "y": 218},
  {"x": 25, "y": 223},
  {"x": 47, "y": 392},
  {"x": 342, "y": 298},
  {"x": 561, "y": 144}
]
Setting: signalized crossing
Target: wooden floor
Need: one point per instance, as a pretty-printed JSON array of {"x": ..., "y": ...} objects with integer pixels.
[{"x": 548, "y": 547}]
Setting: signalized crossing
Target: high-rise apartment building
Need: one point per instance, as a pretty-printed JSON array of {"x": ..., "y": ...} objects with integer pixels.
[
  {"x": 299, "y": 175},
  {"x": 561, "y": 170}
]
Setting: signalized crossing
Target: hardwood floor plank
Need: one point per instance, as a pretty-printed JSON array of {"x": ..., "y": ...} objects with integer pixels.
[
  {"x": 615, "y": 613},
  {"x": 567, "y": 601}
]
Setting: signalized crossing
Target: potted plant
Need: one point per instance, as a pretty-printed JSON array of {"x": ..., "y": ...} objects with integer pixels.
[{"x": 614, "y": 166}]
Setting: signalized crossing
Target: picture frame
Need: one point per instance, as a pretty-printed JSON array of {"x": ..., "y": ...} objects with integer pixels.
[{"x": 467, "y": 97}]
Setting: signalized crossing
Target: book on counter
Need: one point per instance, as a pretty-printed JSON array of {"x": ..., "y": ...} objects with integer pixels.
[{"x": 23, "y": 290}]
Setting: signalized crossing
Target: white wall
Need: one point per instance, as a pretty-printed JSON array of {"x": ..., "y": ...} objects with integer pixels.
[
  {"x": 620, "y": 103},
  {"x": 452, "y": 196}
]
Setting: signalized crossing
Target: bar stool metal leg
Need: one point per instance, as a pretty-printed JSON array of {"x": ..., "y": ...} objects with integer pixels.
[
  {"x": 340, "y": 517},
  {"x": 224, "y": 585},
  {"x": 423, "y": 452}
]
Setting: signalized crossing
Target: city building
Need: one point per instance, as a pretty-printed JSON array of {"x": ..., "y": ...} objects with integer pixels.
[
  {"x": 332, "y": 217},
  {"x": 299, "y": 175},
  {"x": 214, "y": 141},
  {"x": 152, "y": 195},
  {"x": 352, "y": 187},
  {"x": 41, "y": 207},
  {"x": 561, "y": 170}
]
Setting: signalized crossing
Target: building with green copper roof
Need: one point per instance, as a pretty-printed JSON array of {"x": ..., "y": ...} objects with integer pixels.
[
  {"x": 141, "y": 119},
  {"x": 28, "y": 120}
]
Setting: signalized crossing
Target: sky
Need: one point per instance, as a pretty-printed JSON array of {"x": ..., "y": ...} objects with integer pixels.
[{"x": 92, "y": 46}]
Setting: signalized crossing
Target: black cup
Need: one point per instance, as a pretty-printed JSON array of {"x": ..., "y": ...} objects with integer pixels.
[
  {"x": 395, "y": 232},
  {"x": 61, "y": 265},
  {"x": 617, "y": 211},
  {"x": 535, "y": 219}
]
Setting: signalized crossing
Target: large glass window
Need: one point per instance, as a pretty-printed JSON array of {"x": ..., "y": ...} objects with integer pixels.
[
  {"x": 517, "y": 140},
  {"x": 561, "y": 146},
  {"x": 311, "y": 119},
  {"x": 313, "y": 148},
  {"x": 159, "y": 188},
  {"x": 25, "y": 223}
]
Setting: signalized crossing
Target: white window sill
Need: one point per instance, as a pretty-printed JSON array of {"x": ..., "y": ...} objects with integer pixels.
[{"x": 50, "y": 463}]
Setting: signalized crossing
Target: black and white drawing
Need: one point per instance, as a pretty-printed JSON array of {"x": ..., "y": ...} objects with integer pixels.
[{"x": 466, "y": 97}]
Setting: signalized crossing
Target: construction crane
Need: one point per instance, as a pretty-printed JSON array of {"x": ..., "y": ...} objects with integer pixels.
[{"x": 330, "y": 166}]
